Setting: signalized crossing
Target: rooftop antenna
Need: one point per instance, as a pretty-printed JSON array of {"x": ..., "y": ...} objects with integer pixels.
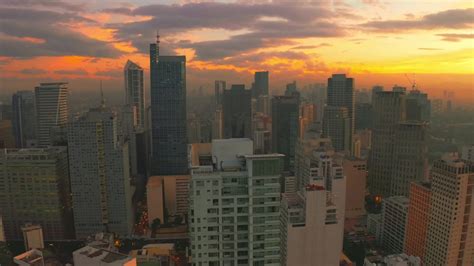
[
  {"x": 157, "y": 36},
  {"x": 102, "y": 99}
]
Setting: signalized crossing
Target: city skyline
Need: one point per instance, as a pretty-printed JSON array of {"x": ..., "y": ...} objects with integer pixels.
[{"x": 432, "y": 42}]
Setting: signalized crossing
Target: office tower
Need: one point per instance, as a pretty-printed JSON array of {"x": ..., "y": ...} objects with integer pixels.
[
  {"x": 375, "y": 89},
  {"x": 134, "y": 93},
  {"x": 467, "y": 153},
  {"x": 374, "y": 225},
  {"x": 336, "y": 125},
  {"x": 307, "y": 118},
  {"x": 51, "y": 100},
  {"x": 417, "y": 220},
  {"x": 437, "y": 107},
  {"x": 394, "y": 219},
  {"x": 237, "y": 111},
  {"x": 260, "y": 85},
  {"x": 217, "y": 125},
  {"x": 450, "y": 240},
  {"x": 128, "y": 128},
  {"x": 410, "y": 156},
  {"x": 418, "y": 106},
  {"x": 389, "y": 111},
  {"x": 362, "y": 96},
  {"x": 400, "y": 89},
  {"x": 7, "y": 140},
  {"x": 168, "y": 113},
  {"x": 262, "y": 140},
  {"x": 318, "y": 98},
  {"x": 219, "y": 88},
  {"x": 24, "y": 119},
  {"x": 263, "y": 104},
  {"x": 312, "y": 223},
  {"x": 355, "y": 171},
  {"x": 341, "y": 94},
  {"x": 167, "y": 196},
  {"x": 100, "y": 175},
  {"x": 292, "y": 90},
  {"x": 285, "y": 127},
  {"x": 363, "y": 116},
  {"x": 235, "y": 206},
  {"x": 312, "y": 228},
  {"x": 34, "y": 188}
]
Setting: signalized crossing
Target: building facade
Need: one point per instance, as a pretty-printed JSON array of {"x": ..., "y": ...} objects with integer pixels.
[
  {"x": 24, "y": 119},
  {"x": 285, "y": 127},
  {"x": 134, "y": 93},
  {"x": 394, "y": 219},
  {"x": 337, "y": 126},
  {"x": 237, "y": 112}
]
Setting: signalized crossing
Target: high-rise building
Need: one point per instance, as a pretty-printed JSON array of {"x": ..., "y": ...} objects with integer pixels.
[
  {"x": 417, "y": 220},
  {"x": 307, "y": 118},
  {"x": 237, "y": 110},
  {"x": 318, "y": 98},
  {"x": 375, "y": 89},
  {"x": 450, "y": 240},
  {"x": 410, "y": 156},
  {"x": 312, "y": 220},
  {"x": 134, "y": 93},
  {"x": 217, "y": 125},
  {"x": 389, "y": 111},
  {"x": 24, "y": 119},
  {"x": 35, "y": 188},
  {"x": 341, "y": 94},
  {"x": 467, "y": 153},
  {"x": 355, "y": 171},
  {"x": 285, "y": 127},
  {"x": 418, "y": 106},
  {"x": 394, "y": 219},
  {"x": 128, "y": 128},
  {"x": 260, "y": 85},
  {"x": 337, "y": 126},
  {"x": 7, "y": 140},
  {"x": 219, "y": 88},
  {"x": 51, "y": 100},
  {"x": 262, "y": 141},
  {"x": 363, "y": 116},
  {"x": 168, "y": 113},
  {"x": 100, "y": 175},
  {"x": 235, "y": 206}
]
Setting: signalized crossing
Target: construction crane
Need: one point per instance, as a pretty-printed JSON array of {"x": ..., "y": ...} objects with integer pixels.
[{"x": 412, "y": 83}]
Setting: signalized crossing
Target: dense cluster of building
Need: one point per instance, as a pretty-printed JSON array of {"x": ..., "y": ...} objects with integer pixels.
[{"x": 277, "y": 180}]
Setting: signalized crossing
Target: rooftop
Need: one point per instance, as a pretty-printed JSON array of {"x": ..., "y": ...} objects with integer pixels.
[
  {"x": 102, "y": 255},
  {"x": 33, "y": 257}
]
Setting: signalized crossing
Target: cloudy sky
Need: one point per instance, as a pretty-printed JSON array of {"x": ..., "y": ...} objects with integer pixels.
[{"x": 374, "y": 41}]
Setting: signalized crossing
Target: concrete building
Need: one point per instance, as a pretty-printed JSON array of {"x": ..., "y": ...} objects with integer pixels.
[
  {"x": 93, "y": 256},
  {"x": 285, "y": 127},
  {"x": 410, "y": 156},
  {"x": 394, "y": 220},
  {"x": 234, "y": 206},
  {"x": 33, "y": 236},
  {"x": 218, "y": 125},
  {"x": 32, "y": 257},
  {"x": 100, "y": 175},
  {"x": 355, "y": 171},
  {"x": 467, "y": 153},
  {"x": 418, "y": 106},
  {"x": 24, "y": 119},
  {"x": 219, "y": 88},
  {"x": 393, "y": 260},
  {"x": 374, "y": 225},
  {"x": 417, "y": 220},
  {"x": 168, "y": 113},
  {"x": 307, "y": 117},
  {"x": 35, "y": 188},
  {"x": 336, "y": 126},
  {"x": 260, "y": 85},
  {"x": 51, "y": 101},
  {"x": 167, "y": 195},
  {"x": 389, "y": 111},
  {"x": 237, "y": 112},
  {"x": 450, "y": 238},
  {"x": 128, "y": 128},
  {"x": 363, "y": 116},
  {"x": 134, "y": 92},
  {"x": 7, "y": 140},
  {"x": 312, "y": 221},
  {"x": 262, "y": 141}
]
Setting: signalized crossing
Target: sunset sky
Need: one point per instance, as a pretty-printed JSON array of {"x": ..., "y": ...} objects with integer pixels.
[{"x": 374, "y": 41}]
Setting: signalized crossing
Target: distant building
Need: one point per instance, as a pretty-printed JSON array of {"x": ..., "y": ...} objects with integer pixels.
[
  {"x": 100, "y": 175},
  {"x": 7, "y": 140},
  {"x": 285, "y": 127},
  {"x": 393, "y": 260},
  {"x": 24, "y": 119},
  {"x": 237, "y": 112},
  {"x": 418, "y": 106},
  {"x": 234, "y": 206},
  {"x": 134, "y": 92},
  {"x": 337, "y": 127},
  {"x": 219, "y": 88},
  {"x": 375, "y": 89},
  {"x": 450, "y": 240},
  {"x": 467, "y": 153},
  {"x": 218, "y": 125},
  {"x": 260, "y": 85},
  {"x": 394, "y": 220},
  {"x": 168, "y": 113},
  {"x": 94, "y": 256},
  {"x": 307, "y": 118},
  {"x": 355, "y": 171},
  {"x": 51, "y": 101},
  {"x": 374, "y": 225},
  {"x": 35, "y": 188},
  {"x": 262, "y": 141},
  {"x": 363, "y": 116}
]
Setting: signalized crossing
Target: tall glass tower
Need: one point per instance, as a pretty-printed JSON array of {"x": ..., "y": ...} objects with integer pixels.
[{"x": 168, "y": 113}]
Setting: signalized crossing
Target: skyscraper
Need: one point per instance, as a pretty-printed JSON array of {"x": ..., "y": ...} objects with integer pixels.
[
  {"x": 389, "y": 111},
  {"x": 35, "y": 188},
  {"x": 418, "y": 106},
  {"x": 394, "y": 220},
  {"x": 341, "y": 94},
  {"x": 100, "y": 176},
  {"x": 237, "y": 110},
  {"x": 24, "y": 119},
  {"x": 285, "y": 127},
  {"x": 450, "y": 240},
  {"x": 234, "y": 206},
  {"x": 260, "y": 85},
  {"x": 51, "y": 101},
  {"x": 363, "y": 116},
  {"x": 168, "y": 113},
  {"x": 219, "y": 88},
  {"x": 355, "y": 171},
  {"x": 337, "y": 126},
  {"x": 134, "y": 93}
]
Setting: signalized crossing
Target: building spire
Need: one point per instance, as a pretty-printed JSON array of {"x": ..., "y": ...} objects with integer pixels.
[{"x": 157, "y": 37}]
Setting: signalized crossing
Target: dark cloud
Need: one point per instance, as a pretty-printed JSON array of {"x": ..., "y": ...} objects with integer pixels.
[
  {"x": 455, "y": 37},
  {"x": 33, "y": 71},
  {"x": 43, "y": 3},
  {"x": 52, "y": 28},
  {"x": 453, "y": 19},
  {"x": 79, "y": 72},
  {"x": 268, "y": 24}
]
